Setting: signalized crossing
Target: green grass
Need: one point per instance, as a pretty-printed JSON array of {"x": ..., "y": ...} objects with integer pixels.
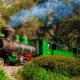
[{"x": 3, "y": 76}]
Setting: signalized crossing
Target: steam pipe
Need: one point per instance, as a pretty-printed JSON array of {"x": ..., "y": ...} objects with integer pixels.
[{"x": 10, "y": 45}]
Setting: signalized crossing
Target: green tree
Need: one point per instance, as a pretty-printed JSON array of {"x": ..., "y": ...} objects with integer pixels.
[
  {"x": 30, "y": 28},
  {"x": 69, "y": 31}
]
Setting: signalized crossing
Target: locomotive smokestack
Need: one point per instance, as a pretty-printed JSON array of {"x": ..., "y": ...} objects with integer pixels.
[{"x": 8, "y": 32}]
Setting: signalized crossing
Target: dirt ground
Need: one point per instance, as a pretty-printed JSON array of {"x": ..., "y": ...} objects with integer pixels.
[{"x": 9, "y": 70}]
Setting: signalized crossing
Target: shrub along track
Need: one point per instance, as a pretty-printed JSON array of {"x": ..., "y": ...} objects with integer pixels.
[{"x": 10, "y": 70}]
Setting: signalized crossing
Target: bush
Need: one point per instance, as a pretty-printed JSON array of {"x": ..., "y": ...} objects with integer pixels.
[
  {"x": 63, "y": 65},
  {"x": 3, "y": 76},
  {"x": 51, "y": 68},
  {"x": 37, "y": 73}
]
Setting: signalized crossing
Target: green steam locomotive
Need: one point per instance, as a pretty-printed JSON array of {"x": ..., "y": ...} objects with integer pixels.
[{"x": 21, "y": 50}]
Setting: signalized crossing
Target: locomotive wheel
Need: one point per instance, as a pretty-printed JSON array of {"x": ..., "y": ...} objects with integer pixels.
[{"x": 1, "y": 61}]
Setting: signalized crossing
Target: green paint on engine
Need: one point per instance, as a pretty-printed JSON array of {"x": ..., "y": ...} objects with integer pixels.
[
  {"x": 12, "y": 58},
  {"x": 49, "y": 48},
  {"x": 24, "y": 40},
  {"x": 47, "y": 51},
  {"x": 17, "y": 38},
  {"x": 62, "y": 53}
]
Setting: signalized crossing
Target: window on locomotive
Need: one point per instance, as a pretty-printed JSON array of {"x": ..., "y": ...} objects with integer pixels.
[
  {"x": 49, "y": 46},
  {"x": 40, "y": 44},
  {"x": 54, "y": 46},
  {"x": 79, "y": 51},
  {"x": 58, "y": 47}
]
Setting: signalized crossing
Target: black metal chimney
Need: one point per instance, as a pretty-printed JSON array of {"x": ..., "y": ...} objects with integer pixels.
[{"x": 8, "y": 32}]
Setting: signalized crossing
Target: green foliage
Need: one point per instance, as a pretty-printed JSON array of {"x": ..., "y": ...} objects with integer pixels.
[
  {"x": 68, "y": 31},
  {"x": 38, "y": 73},
  {"x": 51, "y": 68},
  {"x": 30, "y": 28},
  {"x": 3, "y": 76},
  {"x": 7, "y": 12},
  {"x": 63, "y": 65},
  {"x": 65, "y": 1},
  {"x": 2, "y": 22}
]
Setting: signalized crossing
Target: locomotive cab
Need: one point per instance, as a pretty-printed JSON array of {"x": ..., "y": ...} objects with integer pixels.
[
  {"x": 49, "y": 48},
  {"x": 43, "y": 47}
]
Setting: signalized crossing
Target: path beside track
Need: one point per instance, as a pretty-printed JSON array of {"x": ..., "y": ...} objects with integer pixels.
[{"x": 9, "y": 70}]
